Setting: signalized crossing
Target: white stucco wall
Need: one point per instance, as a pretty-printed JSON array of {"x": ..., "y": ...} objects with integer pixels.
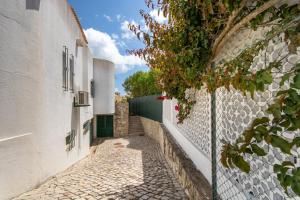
[
  {"x": 104, "y": 101},
  {"x": 35, "y": 113},
  {"x": 199, "y": 158}
]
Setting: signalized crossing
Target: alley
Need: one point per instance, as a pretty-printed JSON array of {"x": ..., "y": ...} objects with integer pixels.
[{"x": 123, "y": 168}]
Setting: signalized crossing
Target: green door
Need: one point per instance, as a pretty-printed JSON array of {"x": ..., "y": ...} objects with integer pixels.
[
  {"x": 91, "y": 131},
  {"x": 105, "y": 126}
]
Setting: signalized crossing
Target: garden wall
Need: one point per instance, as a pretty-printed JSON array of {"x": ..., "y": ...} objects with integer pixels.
[{"x": 235, "y": 113}]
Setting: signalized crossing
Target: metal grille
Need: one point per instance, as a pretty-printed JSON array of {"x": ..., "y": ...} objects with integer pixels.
[
  {"x": 72, "y": 73},
  {"x": 65, "y": 59}
]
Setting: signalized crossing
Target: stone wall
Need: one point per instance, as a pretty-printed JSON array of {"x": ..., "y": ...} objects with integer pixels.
[
  {"x": 195, "y": 184},
  {"x": 121, "y": 119}
]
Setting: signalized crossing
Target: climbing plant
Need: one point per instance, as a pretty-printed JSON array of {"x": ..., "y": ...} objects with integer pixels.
[{"x": 184, "y": 49}]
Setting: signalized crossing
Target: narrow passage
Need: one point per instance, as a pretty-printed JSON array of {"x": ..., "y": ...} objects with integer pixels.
[{"x": 123, "y": 168}]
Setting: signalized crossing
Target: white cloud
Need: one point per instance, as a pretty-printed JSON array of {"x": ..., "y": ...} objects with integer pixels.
[
  {"x": 158, "y": 17},
  {"x": 115, "y": 36},
  {"x": 126, "y": 32},
  {"x": 108, "y": 18},
  {"x": 118, "y": 17},
  {"x": 103, "y": 46},
  {"x": 120, "y": 43},
  {"x": 116, "y": 90}
]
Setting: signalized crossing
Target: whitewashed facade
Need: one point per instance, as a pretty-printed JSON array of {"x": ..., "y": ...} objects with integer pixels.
[
  {"x": 104, "y": 100},
  {"x": 37, "y": 115}
]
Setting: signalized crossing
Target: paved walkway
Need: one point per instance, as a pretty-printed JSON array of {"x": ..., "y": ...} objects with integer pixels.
[{"x": 123, "y": 168}]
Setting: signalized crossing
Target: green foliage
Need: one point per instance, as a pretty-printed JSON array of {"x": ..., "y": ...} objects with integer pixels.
[
  {"x": 183, "y": 50},
  {"x": 142, "y": 84},
  {"x": 288, "y": 176}
]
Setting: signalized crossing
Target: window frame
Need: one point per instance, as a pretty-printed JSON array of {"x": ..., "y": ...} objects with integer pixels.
[
  {"x": 65, "y": 80},
  {"x": 72, "y": 73},
  {"x": 92, "y": 88}
]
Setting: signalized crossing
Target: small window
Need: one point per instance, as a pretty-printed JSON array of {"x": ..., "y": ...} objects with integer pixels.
[
  {"x": 92, "y": 88},
  {"x": 33, "y": 4},
  {"x": 70, "y": 140},
  {"x": 65, "y": 68},
  {"x": 72, "y": 73}
]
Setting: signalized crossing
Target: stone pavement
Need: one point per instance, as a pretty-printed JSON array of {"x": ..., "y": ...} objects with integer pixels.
[{"x": 123, "y": 168}]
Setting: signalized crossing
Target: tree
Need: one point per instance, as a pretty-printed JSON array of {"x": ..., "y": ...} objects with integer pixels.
[{"x": 142, "y": 84}]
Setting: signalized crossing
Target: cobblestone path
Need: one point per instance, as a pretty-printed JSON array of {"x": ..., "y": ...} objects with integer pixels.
[{"x": 123, "y": 168}]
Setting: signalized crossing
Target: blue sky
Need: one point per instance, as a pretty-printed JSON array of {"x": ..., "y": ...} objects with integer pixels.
[{"x": 105, "y": 24}]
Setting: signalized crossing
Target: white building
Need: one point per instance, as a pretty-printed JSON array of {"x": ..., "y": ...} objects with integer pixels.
[{"x": 44, "y": 63}]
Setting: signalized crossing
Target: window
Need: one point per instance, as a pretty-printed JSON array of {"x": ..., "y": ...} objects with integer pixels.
[
  {"x": 70, "y": 140},
  {"x": 33, "y": 4},
  {"x": 92, "y": 88},
  {"x": 72, "y": 73},
  {"x": 65, "y": 68}
]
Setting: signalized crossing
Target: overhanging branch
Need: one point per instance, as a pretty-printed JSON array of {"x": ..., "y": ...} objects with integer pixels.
[{"x": 241, "y": 24}]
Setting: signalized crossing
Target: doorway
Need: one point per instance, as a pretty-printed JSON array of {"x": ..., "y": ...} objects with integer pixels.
[{"x": 105, "y": 127}]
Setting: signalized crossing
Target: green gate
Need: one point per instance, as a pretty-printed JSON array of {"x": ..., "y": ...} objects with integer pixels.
[
  {"x": 105, "y": 127},
  {"x": 147, "y": 106}
]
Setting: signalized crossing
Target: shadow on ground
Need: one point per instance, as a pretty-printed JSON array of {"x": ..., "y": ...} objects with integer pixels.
[{"x": 158, "y": 181}]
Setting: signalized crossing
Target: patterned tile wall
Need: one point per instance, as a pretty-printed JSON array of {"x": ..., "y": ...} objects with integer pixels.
[{"x": 235, "y": 113}]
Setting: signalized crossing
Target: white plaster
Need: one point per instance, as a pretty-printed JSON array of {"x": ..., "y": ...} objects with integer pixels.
[
  {"x": 104, "y": 101},
  {"x": 31, "y": 94}
]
